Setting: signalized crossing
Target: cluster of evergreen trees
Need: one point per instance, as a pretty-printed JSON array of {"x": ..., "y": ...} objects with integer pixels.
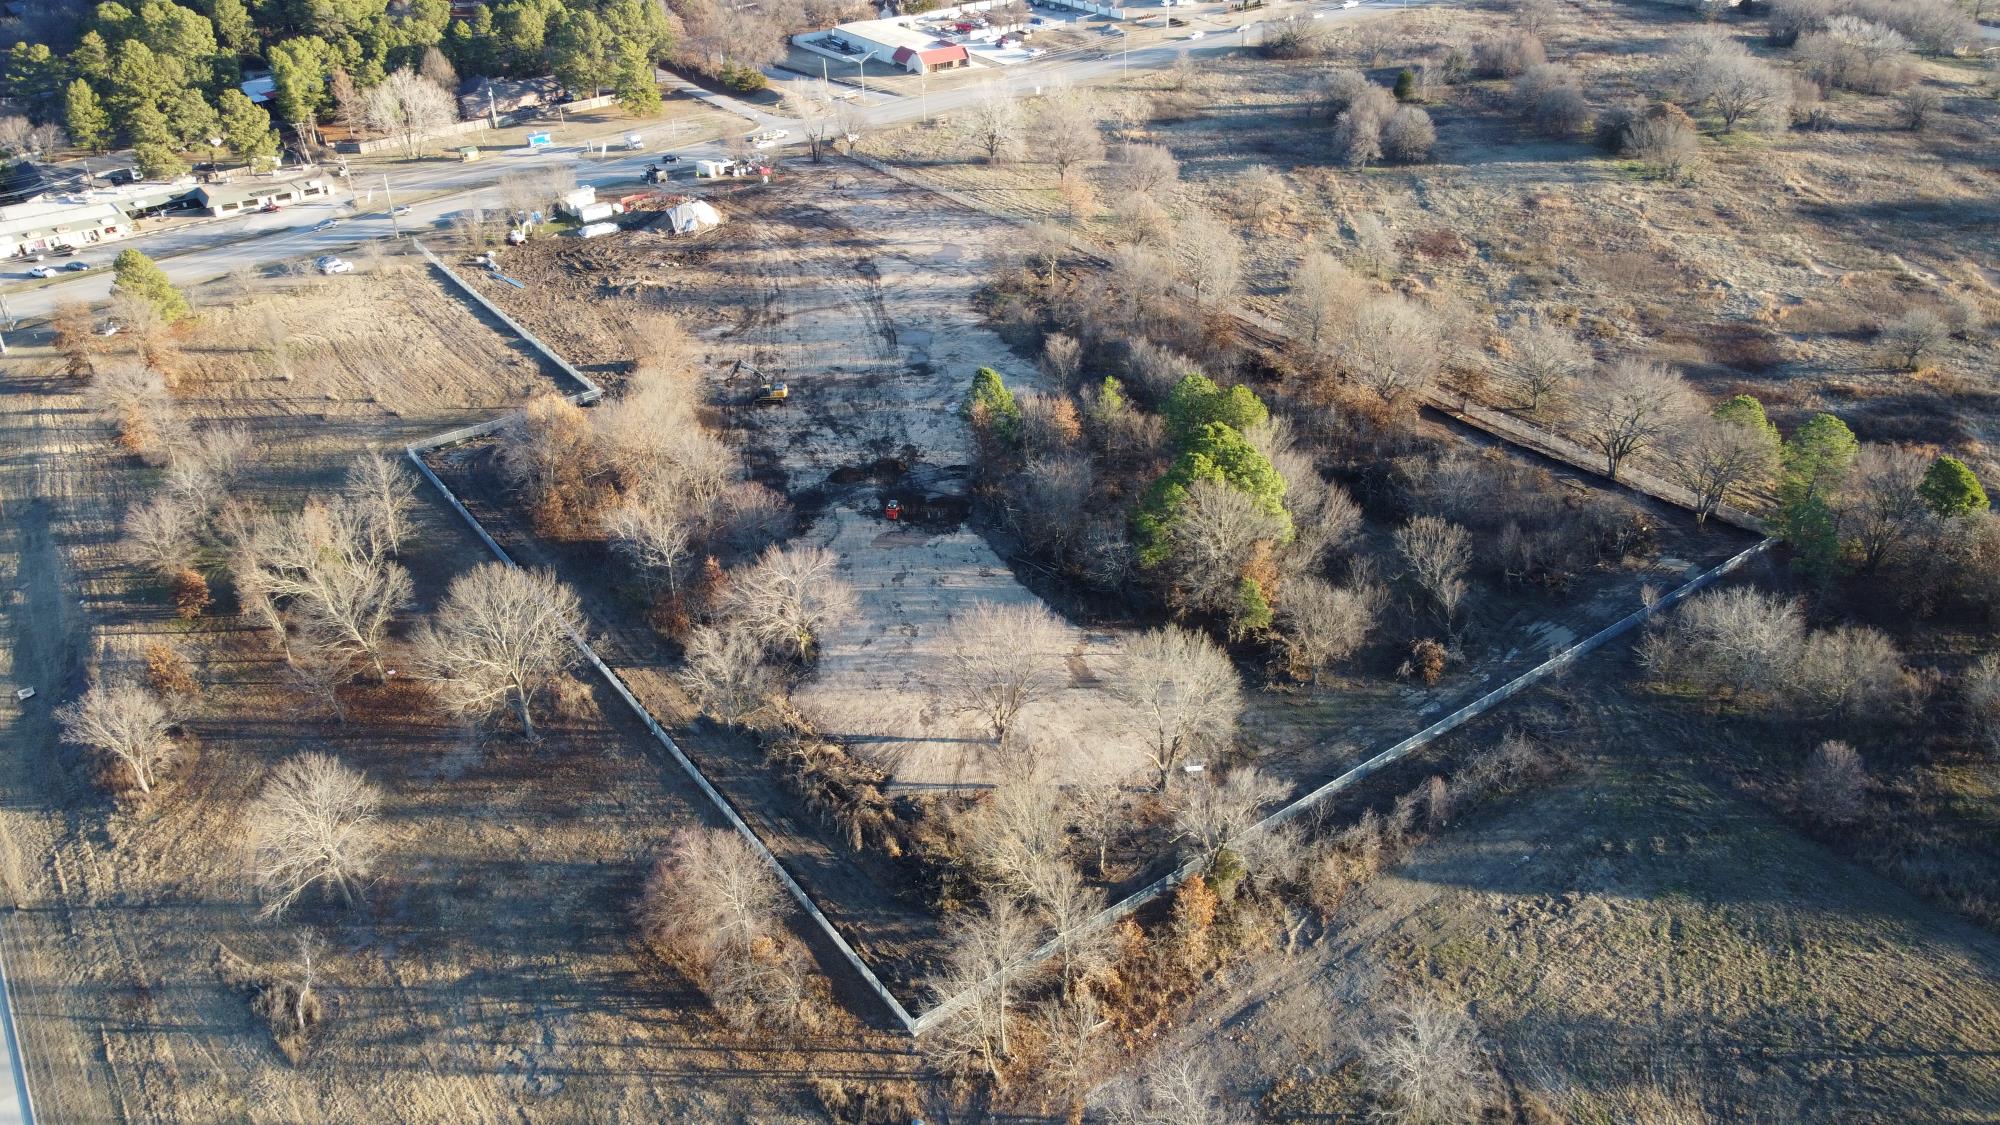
[{"x": 162, "y": 76}]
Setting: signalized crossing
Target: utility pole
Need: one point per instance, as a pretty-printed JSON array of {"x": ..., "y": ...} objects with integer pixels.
[
  {"x": 6, "y": 322},
  {"x": 395, "y": 228}
]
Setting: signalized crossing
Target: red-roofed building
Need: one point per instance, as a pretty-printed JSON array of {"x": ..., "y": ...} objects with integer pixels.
[{"x": 931, "y": 58}]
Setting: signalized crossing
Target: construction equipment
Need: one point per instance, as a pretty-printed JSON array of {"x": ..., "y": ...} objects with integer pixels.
[{"x": 772, "y": 394}]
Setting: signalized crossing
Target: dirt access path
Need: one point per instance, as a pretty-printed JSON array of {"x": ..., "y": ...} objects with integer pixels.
[{"x": 859, "y": 292}]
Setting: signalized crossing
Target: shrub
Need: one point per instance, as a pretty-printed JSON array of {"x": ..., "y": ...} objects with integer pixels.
[
  {"x": 1546, "y": 95},
  {"x": 170, "y": 674},
  {"x": 1409, "y": 136},
  {"x": 1507, "y": 54},
  {"x": 190, "y": 594}
]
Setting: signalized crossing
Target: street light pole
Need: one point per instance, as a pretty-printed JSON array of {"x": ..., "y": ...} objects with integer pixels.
[{"x": 395, "y": 228}]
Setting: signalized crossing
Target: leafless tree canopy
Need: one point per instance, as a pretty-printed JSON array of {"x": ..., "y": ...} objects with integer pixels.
[
  {"x": 1141, "y": 169},
  {"x": 983, "y": 966},
  {"x": 408, "y": 105},
  {"x": 1321, "y": 624},
  {"x": 328, "y": 568},
  {"x": 1184, "y": 691},
  {"x": 500, "y": 639},
  {"x": 1743, "y": 641},
  {"x": 1834, "y": 787},
  {"x": 1180, "y": 1089},
  {"x": 1710, "y": 458},
  {"x": 1543, "y": 361},
  {"x": 1210, "y": 814},
  {"x": 1438, "y": 553},
  {"x": 1430, "y": 1064},
  {"x": 125, "y": 722},
  {"x": 999, "y": 658},
  {"x": 725, "y": 672},
  {"x": 314, "y": 823},
  {"x": 1211, "y": 543},
  {"x": 1630, "y": 408},
  {"x": 710, "y": 897},
  {"x": 1015, "y": 834},
  {"x": 1878, "y": 506},
  {"x": 790, "y": 596},
  {"x": 1211, "y": 257},
  {"x": 160, "y": 534},
  {"x": 994, "y": 124}
]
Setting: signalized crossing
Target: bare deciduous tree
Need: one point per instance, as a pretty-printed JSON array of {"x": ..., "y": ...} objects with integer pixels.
[
  {"x": 500, "y": 639},
  {"x": 1980, "y": 691},
  {"x": 1720, "y": 73},
  {"x": 1430, "y": 1064},
  {"x": 125, "y": 722},
  {"x": 1184, "y": 691},
  {"x": 1393, "y": 347},
  {"x": 1321, "y": 624},
  {"x": 1438, "y": 552},
  {"x": 725, "y": 672},
  {"x": 994, "y": 123},
  {"x": 160, "y": 534},
  {"x": 1210, "y": 543},
  {"x": 384, "y": 493},
  {"x": 790, "y": 596},
  {"x": 1062, "y": 359},
  {"x": 1210, "y": 814},
  {"x": 1710, "y": 457},
  {"x": 654, "y": 530},
  {"x": 983, "y": 972},
  {"x": 1211, "y": 257},
  {"x": 1834, "y": 786},
  {"x": 1179, "y": 1090},
  {"x": 314, "y": 822},
  {"x": 1141, "y": 169},
  {"x": 1878, "y": 506},
  {"x": 1324, "y": 295},
  {"x": 1543, "y": 361},
  {"x": 328, "y": 567},
  {"x": 1914, "y": 337},
  {"x": 1630, "y": 408},
  {"x": 409, "y": 106},
  {"x": 709, "y": 899},
  {"x": 1736, "y": 638},
  {"x": 1066, "y": 131},
  {"x": 1012, "y": 833},
  {"x": 999, "y": 658}
]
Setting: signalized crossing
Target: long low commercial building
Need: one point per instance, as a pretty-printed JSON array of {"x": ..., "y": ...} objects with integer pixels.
[
  {"x": 235, "y": 199},
  {"x": 38, "y": 228}
]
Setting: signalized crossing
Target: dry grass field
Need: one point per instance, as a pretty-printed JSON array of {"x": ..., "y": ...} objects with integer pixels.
[
  {"x": 1638, "y": 943},
  {"x": 1770, "y": 272},
  {"x": 492, "y": 969}
]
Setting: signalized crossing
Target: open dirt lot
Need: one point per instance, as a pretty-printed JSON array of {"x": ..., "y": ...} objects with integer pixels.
[
  {"x": 1636, "y": 944},
  {"x": 858, "y": 292},
  {"x": 492, "y": 971}
]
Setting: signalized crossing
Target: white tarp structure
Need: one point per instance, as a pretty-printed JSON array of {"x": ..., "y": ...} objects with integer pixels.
[{"x": 693, "y": 216}]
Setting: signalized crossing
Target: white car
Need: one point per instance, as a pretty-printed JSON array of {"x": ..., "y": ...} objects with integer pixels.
[
  {"x": 332, "y": 265},
  {"x": 326, "y": 224},
  {"x": 1350, "y": 3},
  {"x": 43, "y": 271}
]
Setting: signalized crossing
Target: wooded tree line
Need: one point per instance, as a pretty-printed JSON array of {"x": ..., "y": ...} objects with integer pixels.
[{"x": 162, "y": 76}]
